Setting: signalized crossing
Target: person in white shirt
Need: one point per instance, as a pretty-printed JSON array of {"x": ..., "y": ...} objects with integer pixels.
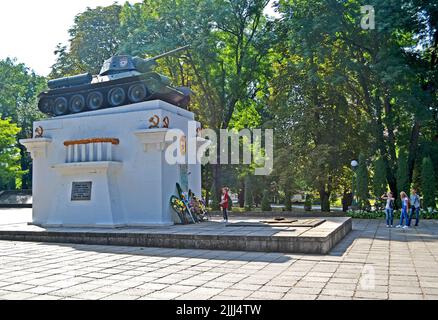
[{"x": 389, "y": 208}]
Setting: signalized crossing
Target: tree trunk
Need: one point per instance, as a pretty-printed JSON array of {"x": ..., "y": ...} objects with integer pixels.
[
  {"x": 242, "y": 194},
  {"x": 217, "y": 181},
  {"x": 388, "y": 156},
  {"x": 413, "y": 147},
  {"x": 324, "y": 197},
  {"x": 25, "y": 180}
]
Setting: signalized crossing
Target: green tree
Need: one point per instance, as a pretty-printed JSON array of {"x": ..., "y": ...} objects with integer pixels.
[
  {"x": 379, "y": 180},
  {"x": 214, "y": 200},
  {"x": 381, "y": 70},
  {"x": 428, "y": 183},
  {"x": 266, "y": 201},
  {"x": 95, "y": 36},
  {"x": 318, "y": 128},
  {"x": 10, "y": 169},
  {"x": 248, "y": 194},
  {"x": 228, "y": 64},
  {"x": 402, "y": 173},
  {"x": 308, "y": 202},
  {"x": 362, "y": 182},
  {"x": 287, "y": 200},
  {"x": 416, "y": 176},
  {"x": 19, "y": 87}
]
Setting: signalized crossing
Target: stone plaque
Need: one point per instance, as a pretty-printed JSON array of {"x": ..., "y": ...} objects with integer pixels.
[{"x": 81, "y": 191}]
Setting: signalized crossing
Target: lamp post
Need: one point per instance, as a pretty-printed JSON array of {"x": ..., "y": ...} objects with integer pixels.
[{"x": 354, "y": 165}]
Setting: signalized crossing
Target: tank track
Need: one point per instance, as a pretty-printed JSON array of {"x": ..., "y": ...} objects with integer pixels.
[{"x": 96, "y": 96}]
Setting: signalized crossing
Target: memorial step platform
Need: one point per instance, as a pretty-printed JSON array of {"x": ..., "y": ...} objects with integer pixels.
[{"x": 302, "y": 236}]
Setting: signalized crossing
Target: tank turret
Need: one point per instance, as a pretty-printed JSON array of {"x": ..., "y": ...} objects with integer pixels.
[{"x": 122, "y": 80}]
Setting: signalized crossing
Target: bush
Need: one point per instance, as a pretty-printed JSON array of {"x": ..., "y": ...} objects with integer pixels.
[{"x": 424, "y": 214}]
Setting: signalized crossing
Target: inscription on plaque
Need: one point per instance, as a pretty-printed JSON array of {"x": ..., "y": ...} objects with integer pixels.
[{"x": 81, "y": 191}]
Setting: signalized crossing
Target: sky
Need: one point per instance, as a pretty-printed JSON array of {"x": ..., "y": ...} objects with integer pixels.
[{"x": 31, "y": 29}]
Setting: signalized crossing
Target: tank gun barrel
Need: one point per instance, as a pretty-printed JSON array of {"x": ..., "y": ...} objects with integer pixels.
[
  {"x": 168, "y": 53},
  {"x": 145, "y": 65}
]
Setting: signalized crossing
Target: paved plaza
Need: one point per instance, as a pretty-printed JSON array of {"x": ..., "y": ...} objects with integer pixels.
[{"x": 371, "y": 262}]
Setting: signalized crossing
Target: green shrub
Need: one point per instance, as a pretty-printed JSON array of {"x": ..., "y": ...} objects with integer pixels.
[{"x": 424, "y": 214}]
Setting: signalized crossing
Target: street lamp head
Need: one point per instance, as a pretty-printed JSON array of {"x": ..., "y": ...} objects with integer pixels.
[{"x": 354, "y": 164}]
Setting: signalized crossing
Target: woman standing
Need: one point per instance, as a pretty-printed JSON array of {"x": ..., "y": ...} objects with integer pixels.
[
  {"x": 404, "y": 211},
  {"x": 389, "y": 208},
  {"x": 224, "y": 203}
]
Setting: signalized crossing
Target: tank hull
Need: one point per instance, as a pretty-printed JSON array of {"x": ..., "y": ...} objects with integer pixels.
[{"x": 108, "y": 94}]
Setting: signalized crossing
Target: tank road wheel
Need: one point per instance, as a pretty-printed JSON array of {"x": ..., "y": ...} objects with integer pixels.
[
  {"x": 116, "y": 96},
  {"x": 61, "y": 106},
  {"x": 137, "y": 92},
  {"x": 95, "y": 100},
  {"x": 77, "y": 103},
  {"x": 46, "y": 105}
]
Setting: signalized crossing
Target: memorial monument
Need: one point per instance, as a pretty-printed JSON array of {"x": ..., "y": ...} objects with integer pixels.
[{"x": 100, "y": 160}]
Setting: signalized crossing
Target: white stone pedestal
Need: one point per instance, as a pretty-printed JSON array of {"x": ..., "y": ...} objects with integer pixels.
[{"x": 116, "y": 153}]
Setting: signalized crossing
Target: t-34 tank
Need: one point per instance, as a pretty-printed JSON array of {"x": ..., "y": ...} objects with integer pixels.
[{"x": 122, "y": 80}]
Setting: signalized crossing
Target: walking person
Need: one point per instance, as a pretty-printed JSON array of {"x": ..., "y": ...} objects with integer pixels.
[
  {"x": 415, "y": 207},
  {"x": 404, "y": 211},
  {"x": 224, "y": 203},
  {"x": 389, "y": 208}
]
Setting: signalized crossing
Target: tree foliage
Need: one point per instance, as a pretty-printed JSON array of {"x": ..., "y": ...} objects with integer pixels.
[
  {"x": 362, "y": 182},
  {"x": 379, "y": 178},
  {"x": 95, "y": 36},
  {"x": 249, "y": 203},
  {"x": 402, "y": 173},
  {"x": 428, "y": 183},
  {"x": 9, "y": 153},
  {"x": 19, "y": 87},
  {"x": 266, "y": 201}
]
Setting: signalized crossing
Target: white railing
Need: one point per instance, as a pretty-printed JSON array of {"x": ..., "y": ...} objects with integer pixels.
[{"x": 88, "y": 150}]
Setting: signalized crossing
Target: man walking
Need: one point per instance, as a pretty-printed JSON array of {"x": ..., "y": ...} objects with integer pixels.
[{"x": 415, "y": 207}]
